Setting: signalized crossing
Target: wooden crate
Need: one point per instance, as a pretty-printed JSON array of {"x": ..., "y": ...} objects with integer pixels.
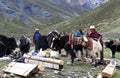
[
  {"x": 108, "y": 71},
  {"x": 21, "y": 69}
]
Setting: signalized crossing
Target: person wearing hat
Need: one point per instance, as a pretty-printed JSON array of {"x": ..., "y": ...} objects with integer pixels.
[
  {"x": 36, "y": 37},
  {"x": 93, "y": 33}
]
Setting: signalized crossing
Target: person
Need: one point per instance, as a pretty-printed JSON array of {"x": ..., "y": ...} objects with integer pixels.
[
  {"x": 73, "y": 40},
  {"x": 79, "y": 33},
  {"x": 93, "y": 33},
  {"x": 36, "y": 37}
]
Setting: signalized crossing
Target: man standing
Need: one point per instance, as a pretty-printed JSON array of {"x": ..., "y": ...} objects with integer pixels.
[
  {"x": 36, "y": 38},
  {"x": 93, "y": 33}
]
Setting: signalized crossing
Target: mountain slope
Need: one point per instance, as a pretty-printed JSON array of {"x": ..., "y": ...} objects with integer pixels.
[
  {"x": 37, "y": 11},
  {"x": 106, "y": 19},
  {"x": 45, "y": 11},
  {"x": 22, "y": 16}
]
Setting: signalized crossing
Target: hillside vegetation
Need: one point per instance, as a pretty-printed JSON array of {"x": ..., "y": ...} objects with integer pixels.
[
  {"x": 106, "y": 18},
  {"x": 21, "y": 17}
]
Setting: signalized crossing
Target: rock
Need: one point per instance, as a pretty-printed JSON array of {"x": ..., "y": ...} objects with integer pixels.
[
  {"x": 76, "y": 75},
  {"x": 12, "y": 75},
  {"x": 68, "y": 77},
  {"x": 4, "y": 75},
  {"x": 89, "y": 75},
  {"x": 93, "y": 68},
  {"x": 36, "y": 75},
  {"x": 72, "y": 72},
  {"x": 69, "y": 63},
  {"x": 56, "y": 72}
]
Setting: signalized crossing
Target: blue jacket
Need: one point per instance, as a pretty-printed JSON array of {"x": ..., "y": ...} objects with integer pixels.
[
  {"x": 36, "y": 36},
  {"x": 78, "y": 33}
]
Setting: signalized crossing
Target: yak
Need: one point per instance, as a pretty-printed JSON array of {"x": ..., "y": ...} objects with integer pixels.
[
  {"x": 7, "y": 45},
  {"x": 113, "y": 46},
  {"x": 24, "y": 45}
]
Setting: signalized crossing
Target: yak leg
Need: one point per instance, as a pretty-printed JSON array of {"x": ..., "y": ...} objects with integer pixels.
[
  {"x": 113, "y": 54},
  {"x": 73, "y": 56},
  {"x": 59, "y": 50},
  {"x": 94, "y": 61},
  {"x": 93, "y": 56},
  {"x": 84, "y": 54}
]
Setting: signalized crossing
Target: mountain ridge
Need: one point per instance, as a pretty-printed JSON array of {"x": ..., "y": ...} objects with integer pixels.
[
  {"x": 32, "y": 12},
  {"x": 105, "y": 18},
  {"x": 24, "y": 16}
]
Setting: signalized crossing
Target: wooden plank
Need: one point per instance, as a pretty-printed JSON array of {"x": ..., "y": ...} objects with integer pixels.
[
  {"x": 49, "y": 60},
  {"x": 41, "y": 68},
  {"x": 108, "y": 71},
  {"x": 21, "y": 69},
  {"x": 46, "y": 62}
]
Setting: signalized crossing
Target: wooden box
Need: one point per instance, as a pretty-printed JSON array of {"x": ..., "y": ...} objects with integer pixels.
[
  {"x": 21, "y": 69},
  {"x": 108, "y": 71}
]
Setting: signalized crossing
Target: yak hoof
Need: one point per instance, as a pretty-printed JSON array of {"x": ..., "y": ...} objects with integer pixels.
[{"x": 113, "y": 56}]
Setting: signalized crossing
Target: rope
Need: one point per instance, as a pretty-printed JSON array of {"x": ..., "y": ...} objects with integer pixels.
[
  {"x": 3, "y": 43},
  {"x": 5, "y": 46}
]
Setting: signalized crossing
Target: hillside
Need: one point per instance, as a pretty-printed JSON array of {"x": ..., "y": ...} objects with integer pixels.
[
  {"x": 45, "y": 12},
  {"x": 21, "y": 17},
  {"x": 106, "y": 18}
]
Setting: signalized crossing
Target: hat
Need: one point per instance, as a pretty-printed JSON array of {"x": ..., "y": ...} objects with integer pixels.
[
  {"x": 92, "y": 27},
  {"x": 36, "y": 29}
]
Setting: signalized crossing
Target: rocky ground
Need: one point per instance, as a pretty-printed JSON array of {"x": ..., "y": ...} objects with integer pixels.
[{"x": 78, "y": 70}]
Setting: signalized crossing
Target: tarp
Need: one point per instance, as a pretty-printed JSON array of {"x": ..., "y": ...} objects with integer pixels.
[{"x": 4, "y": 58}]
